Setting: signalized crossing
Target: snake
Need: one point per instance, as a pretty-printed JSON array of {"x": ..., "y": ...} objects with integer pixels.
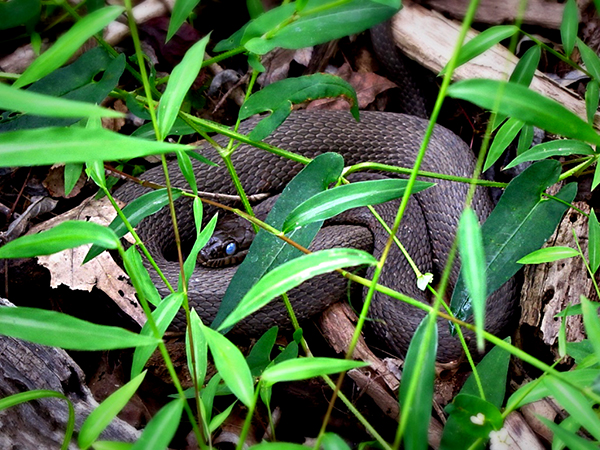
[{"x": 427, "y": 230}]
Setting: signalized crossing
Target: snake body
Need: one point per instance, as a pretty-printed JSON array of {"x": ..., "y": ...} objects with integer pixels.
[{"x": 427, "y": 230}]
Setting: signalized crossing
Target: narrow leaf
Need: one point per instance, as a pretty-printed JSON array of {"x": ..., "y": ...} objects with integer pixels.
[
  {"x": 160, "y": 430},
  {"x": 506, "y": 134},
  {"x": 66, "y": 235},
  {"x": 591, "y": 100},
  {"x": 305, "y": 368},
  {"x": 524, "y": 104},
  {"x": 594, "y": 241},
  {"x": 60, "y": 330},
  {"x": 572, "y": 440},
  {"x": 569, "y": 26},
  {"x": 560, "y": 147},
  {"x": 196, "y": 359},
  {"x": 548, "y": 254},
  {"x": 293, "y": 273},
  {"x": 526, "y": 67},
  {"x": 332, "y": 202},
  {"x": 591, "y": 322},
  {"x": 590, "y": 58},
  {"x": 68, "y": 43},
  {"x": 181, "y": 10}
]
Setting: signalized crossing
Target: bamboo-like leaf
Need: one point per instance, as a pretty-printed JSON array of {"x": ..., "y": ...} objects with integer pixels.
[
  {"x": 594, "y": 241},
  {"x": 332, "y": 202},
  {"x": 160, "y": 430},
  {"x": 571, "y": 439},
  {"x": 591, "y": 323},
  {"x": 181, "y": 10},
  {"x": 524, "y": 104},
  {"x": 101, "y": 417},
  {"x": 112, "y": 445},
  {"x": 180, "y": 81},
  {"x": 200, "y": 350},
  {"x": 560, "y": 147},
  {"x": 46, "y": 146},
  {"x": 305, "y": 368},
  {"x": 473, "y": 268},
  {"x": 291, "y": 274},
  {"x": 591, "y": 100},
  {"x": 139, "y": 276},
  {"x": 231, "y": 365},
  {"x": 68, "y": 43},
  {"x": 66, "y": 235},
  {"x": 590, "y": 58},
  {"x": 12, "y": 99},
  {"x": 61, "y": 330},
  {"x": 525, "y": 68},
  {"x": 506, "y": 134},
  {"x": 548, "y": 254},
  {"x": 569, "y": 26}
]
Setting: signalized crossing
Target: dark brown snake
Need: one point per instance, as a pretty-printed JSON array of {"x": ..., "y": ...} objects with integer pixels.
[{"x": 427, "y": 230}]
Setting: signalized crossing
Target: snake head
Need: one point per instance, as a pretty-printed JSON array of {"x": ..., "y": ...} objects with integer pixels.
[{"x": 229, "y": 243}]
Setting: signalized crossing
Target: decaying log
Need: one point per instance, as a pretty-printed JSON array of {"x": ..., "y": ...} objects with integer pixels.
[{"x": 40, "y": 424}]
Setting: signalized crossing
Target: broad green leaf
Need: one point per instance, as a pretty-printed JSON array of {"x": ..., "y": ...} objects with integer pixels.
[
  {"x": 569, "y": 26},
  {"x": 332, "y": 202},
  {"x": 137, "y": 210},
  {"x": 180, "y": 81},
  {"x": 548, "y": 254},
  {"x": 506, "y": 134},
  {"x": 473, "y": 268},
  {"x": 416, "y": 388},
  {"x": 72, "y": 174},
  {"x": 260, "y": 354},
  {"x": 560, "y": 147},
  {"x": 163, "y": 316},
  {"x": 68, "y": 44},
  {"x": 521, "y": 222},
  {"x": 571, "y": 439},
  {"x": 482, "y": 42},
  {"x": 160, "y": 430},
  {"x": 181, "y": 10},
  {"x": 19, "y": 12},
  {"x": 196, "y": 359},
  {"x": 231, "y": 365},
  {"x": 591, "y": 322},
  {"x": 317, "y": 23},
  {"x": 305, "y": 368},
  {"x": 493, "y": 371},
  {"x": 590, "y": 58},
  {"x": 280, "y": 97},
  {"x": 333, "y": 441},
  {"x": 101, "y": 417},
  {"x": 46, "y": 146},
  {"x": 267, "y": 251},
  {"x": 525, "y": 68},
  {"x": 471, "y": 419},
  {"x": 575, "y": 403},
  {"x": 87, "y": 80},
  {"x": 524, "y": 104},
  {"x": 591, "y": 100},
  {"x": 594, "y": 241},
  {"x": 61, "y": 330},
  {"x": 64, "y": 236},
  {"x": 293, "y": 273},
  {"x": 44, "y": 105}
]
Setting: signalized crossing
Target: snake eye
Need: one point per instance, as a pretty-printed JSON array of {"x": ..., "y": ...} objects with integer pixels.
[{"x": 230, "y": 249}]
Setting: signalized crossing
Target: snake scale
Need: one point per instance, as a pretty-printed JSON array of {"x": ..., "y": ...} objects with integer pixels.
[{"x": 427, "y": 230}]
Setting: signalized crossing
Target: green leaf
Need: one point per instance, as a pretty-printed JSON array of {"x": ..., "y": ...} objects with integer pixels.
[
  {"x": 163, "y": 316},
  {"x": 473, "y": 268},
  {"x": 332, "y": 202},
  {"x": 72, "y": 174},
  {"x": 569, "y": 26},
  {"x": 60, "y": 330},
  {"x": 231, "y": 365},
  {"x": 68, "y": 44},
  {"x": 103, "y": 415},
  {"x": 575, "y": 403},
  {"x": 180, "y": 81},
  {"x": 506, "y": 134},
  {"x": 521, "y": 222},
  {"x": 46, "y": 146},
  {"x": 66, "y": 235},
  {"x": 596, "y": 179},
  {"x": 591, "y": 100},
  {"x": 318, "y": 23},
  {"x": 594, "y": 241},
  {"x": 560, "y": 147},
  {"x": 482, "y": 42},
  {"x": 493, "y": 371},
  {"x": 137, "y": 210},
  {"x": 590, "y": 59},
  {"x": 333, "y": 441},
  {"x": 19, "y": 12},
  {"x": 140, "y": 278},
  {"x": 591, "y": 323},
  {"x": 572, "y": 440},
  {"x": 293, "y": 273},
  {"x": 277, "y": 446},
  {"x": 185, "y": 165},
  {"x": 525, "y": 139},
  {"x": 160, "y": 430},
  {"x": 267, "y": 251},
  {"x": 416, "y": 387},
  {"x": 525, "y": 68},
  {"x": 260, "y": 354},
  {"x": 181, "y": 10},
  {"x": 548, "y": 254},
  {"x": 44, "y": 105},
  {"x": 110, "y": 445},
  {"x": 305, "y": 368},
  {"x": 524, "y": 104},
  {"x": 196, "y": 359}
]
